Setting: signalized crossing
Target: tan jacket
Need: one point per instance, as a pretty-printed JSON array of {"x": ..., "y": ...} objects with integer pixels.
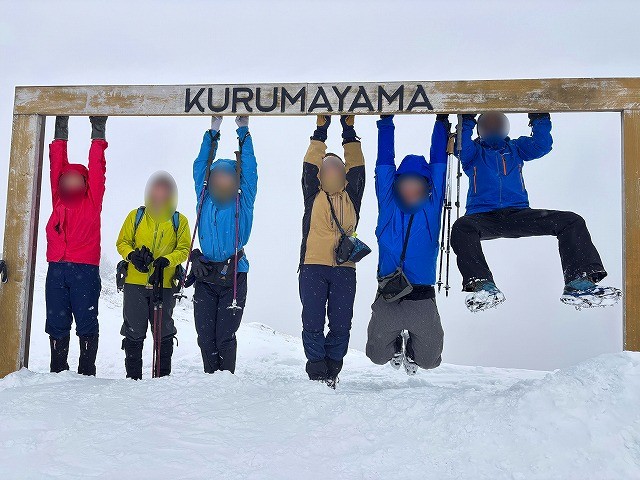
[{"x": 320, "y": 234}]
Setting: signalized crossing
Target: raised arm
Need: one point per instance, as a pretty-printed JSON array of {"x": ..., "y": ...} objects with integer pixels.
[
  {"x": 470, "y": 149},
  {"x": 313, "y": 160},
  {"x": 201, "y": 163},
  {"x": 438, "y": 155},
  {"x": 354, "y": 161},
  {"x": 249, "y": 170},
  {"x": 385, "y": 162},
  {"x": 97, "y": 160},
  {"x": 540, "y": 142},
  {"x": 126, "y": 241},
  {"x": 58, "y": 153}
]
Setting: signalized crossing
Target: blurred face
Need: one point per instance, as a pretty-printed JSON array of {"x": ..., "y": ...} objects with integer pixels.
[
  {"x": 72, "y": 182},
  {"x": 332, "y": 175},
  {"x": 160, "y": 195},
  {"x": 493, "y": 125},
  {"x": 223, "y": 185},
  {"x": 412, "y": 190}
]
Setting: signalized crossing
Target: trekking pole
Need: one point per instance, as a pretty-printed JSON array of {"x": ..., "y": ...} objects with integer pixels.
[
  {"x": 234, "y": 303},
  {"x": 459, "y": 174},
  {"x": 214, "y": 138},
  {"x": 157, "y": 320},
  {"x": 447, "y": 206}
]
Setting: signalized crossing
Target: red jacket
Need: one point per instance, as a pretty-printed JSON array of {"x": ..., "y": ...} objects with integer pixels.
[{"x": 73, "y": 234}]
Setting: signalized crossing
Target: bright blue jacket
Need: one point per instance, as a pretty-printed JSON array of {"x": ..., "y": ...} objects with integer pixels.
[
  {"x": 217, "y": 222},
  {"x": 495, "y": 171},
  {"x": 393, "y": 218}
]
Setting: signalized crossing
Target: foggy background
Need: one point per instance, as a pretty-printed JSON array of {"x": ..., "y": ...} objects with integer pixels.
[{"x": 161, "y": 42}]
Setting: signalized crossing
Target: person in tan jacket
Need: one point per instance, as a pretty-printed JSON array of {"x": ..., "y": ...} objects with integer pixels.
[{"x": 328, "y": 289}]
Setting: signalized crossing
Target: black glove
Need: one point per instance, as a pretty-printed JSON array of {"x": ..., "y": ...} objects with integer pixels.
[
  {"x": 537, "y": 116},
  {"x": 62, "y": 128},
  {"x": 4, "y": 275},
  {"x": 322, "y": 125},
  {"x": 382, "y": 117},
  {"x": 159, "y": 264},
  {"x": 442, "y": 117},
  {"x": 470, "y": 116},
  {"x": 98, "y": 127},
  {"x": 348, "y": 130},
  {"x": 141, "y": 258},
  {"x": 200, "y": 266}
]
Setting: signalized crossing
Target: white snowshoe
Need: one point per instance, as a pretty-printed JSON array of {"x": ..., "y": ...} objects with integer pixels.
[
  {"x": 593, "y": 296},
  {"x": 410, "y": 366},
  {"x": 485, "y": 296}
]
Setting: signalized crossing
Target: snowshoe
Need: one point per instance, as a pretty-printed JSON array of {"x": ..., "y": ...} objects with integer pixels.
[
  {"x": 410, "y": 366},
  {"x": 332, "y": 382},
  {"x": 583, "y": 293},
  {"x": 398, "y": 358},
  {"x": 485, "y": 296}
]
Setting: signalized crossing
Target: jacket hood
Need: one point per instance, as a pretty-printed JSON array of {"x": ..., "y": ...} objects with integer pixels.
[
  {"x": 224, "y": 164},
  {"x": 77, "y": 168},
  {"x": 495, "y": 143},
  {"x": 415, "y": 165}
]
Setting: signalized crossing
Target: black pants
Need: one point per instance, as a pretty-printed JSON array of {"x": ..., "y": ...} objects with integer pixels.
[
  {"x": 217, "y": 325},
  {"x": 138, "y": 313},
  {"x": 577, "y": 253}
]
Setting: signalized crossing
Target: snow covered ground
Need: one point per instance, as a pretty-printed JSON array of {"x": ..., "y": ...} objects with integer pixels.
[{"x": 269, "y": 422}]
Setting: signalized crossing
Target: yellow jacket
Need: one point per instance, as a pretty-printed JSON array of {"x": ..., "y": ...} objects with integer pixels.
[{"x": 160, "y": 238}]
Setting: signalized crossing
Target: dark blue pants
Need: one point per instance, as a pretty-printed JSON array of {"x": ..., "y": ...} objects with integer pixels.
[
  {"x": 217, "y": 325},
  {"x": 326, "y": 292},
  {"x": 72, "y": 291}
]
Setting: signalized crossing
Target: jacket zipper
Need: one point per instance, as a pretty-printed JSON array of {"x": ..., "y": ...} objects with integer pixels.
[
  {"x": 521, "y": 179},
  {"x": 504, "y": 165},
  {"x": 475, "y": 174}
]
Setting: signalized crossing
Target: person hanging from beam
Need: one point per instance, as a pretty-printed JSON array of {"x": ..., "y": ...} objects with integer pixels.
[
  {"x": 498, "y": 207},
  {"x": 226, "y": 192},
  {"x": 73, "y": 247},
  {"x": 405, "y": 326},
  {"x": 332, "y": 191},
  {"x": 154, "y": 238}
]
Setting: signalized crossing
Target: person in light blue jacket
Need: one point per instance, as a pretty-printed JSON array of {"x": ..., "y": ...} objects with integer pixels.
[
  {"x": 405, "y": 328},
  {"x": 226, "y": 193}
]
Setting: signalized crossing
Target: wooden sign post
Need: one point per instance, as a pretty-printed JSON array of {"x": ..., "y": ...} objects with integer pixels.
[{"x": 33, "y": 104}]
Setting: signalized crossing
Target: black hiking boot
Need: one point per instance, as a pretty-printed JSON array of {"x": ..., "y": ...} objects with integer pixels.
[
  {"x": 410, "y": 365},
  {"x": 398, "y": 357},
  {"x": 334, "y": 367},
  {"x": 59, "y": 354},
  {"x": 88, "y": 353},
  {"x": 166, "y": 352},
  {"x": 132, "y": 358}
]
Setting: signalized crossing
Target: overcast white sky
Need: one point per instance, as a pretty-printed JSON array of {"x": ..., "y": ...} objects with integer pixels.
[{"x": 161, "y": 42}]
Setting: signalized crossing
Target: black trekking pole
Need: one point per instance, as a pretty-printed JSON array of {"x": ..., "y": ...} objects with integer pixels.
[
  {"x": 157, "y": 320},
  {"x": 234, "y": 307},
  {"x": 447, "y": 207},
  {"x": 214, "y": 138}
]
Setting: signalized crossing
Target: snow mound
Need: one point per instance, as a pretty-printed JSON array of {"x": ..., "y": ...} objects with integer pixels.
[{"x": 269, "y": 422}]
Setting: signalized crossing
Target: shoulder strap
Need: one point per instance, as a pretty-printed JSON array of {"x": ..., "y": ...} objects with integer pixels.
[
  {"x": 333, "y": 214},
  {"x": 176, "y": 221},
  {"x": 139, "y": 215},
  {"x": 406, "y": 241}
]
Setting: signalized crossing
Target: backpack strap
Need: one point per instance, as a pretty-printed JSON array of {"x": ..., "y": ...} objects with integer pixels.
[
  {"x": 139, "y": 215},
  {"x": 406, "y": 242},
  {"x": 176, "y": 221}
]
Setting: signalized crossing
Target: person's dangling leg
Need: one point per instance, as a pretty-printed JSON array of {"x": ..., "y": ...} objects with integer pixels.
[
  {"x": 85, "y": 286},
  {"x": 59, "y": 316},
  {"x": 228, "y": 323},
  {"x": 342, "y": 293},
  {"x": 426, "y": 336},
  {"x": 205, "y": 309},
  {"x": 314, "y": 293},
  {"x": 385, "y": 327}
]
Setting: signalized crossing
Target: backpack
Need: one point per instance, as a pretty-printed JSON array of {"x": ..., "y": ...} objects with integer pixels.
[{"x": 123, "y": 265}]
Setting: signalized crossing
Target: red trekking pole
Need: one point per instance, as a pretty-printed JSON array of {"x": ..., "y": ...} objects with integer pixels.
[{"x": 214, "y": 138}]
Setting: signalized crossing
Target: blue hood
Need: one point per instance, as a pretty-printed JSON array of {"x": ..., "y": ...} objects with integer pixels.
[
  {"x": 224, "y": 164},
  {"x": 414, "y": 165}
]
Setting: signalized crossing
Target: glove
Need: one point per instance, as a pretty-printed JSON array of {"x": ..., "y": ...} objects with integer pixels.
[
  {"x": 538, "y": 116},
  {"x": 322, "y": 125},
  {"x": 200, "y": 266},
  {"x": 242, "y": 121},
  {"x": 382, "y": 117},
  {"x": 216, "y": 121},
  {"x": 62, "y": 128},
  {"x": 4, "y": 275},
  {"x": 141, "y": 258},
  {"x": 442, "y": 117},
  {"x": 98, "y": 127},
  {"x": 348, "y": 131},
  {"x": 469, "y": 116},
  {"x": 159, "y": 264}
]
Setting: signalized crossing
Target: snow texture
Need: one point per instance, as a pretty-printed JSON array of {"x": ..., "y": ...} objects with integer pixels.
[{"x": 268, "y": 421}]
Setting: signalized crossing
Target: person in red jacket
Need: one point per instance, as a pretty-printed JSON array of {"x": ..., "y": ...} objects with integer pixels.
[{"x": 73, "y": 247}]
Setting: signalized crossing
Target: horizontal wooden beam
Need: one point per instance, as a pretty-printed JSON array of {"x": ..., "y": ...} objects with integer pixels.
[{"x": 552, "y": 95}]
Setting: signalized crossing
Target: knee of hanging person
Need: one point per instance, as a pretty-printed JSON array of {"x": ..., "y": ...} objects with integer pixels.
[{"x": 384, "y": 327}]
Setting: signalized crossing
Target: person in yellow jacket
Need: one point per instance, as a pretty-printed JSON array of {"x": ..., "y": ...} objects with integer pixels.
[{"x": 151, "y": 237}]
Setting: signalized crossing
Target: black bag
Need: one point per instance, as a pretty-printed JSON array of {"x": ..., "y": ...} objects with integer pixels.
[
  {"x": 350, "y": 248},
  {"x": 396, "y": 285},
  {"x": 220, "y": 273}
]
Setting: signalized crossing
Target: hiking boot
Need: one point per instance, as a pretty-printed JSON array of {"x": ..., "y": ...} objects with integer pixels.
[
  {"x": 485, "y": 295},
  {"x": 583, "y": 293},
  {"x": 88, "y": 353},
  {"x": 398, "y": 357},
  {"x": 59, "y": 354}
]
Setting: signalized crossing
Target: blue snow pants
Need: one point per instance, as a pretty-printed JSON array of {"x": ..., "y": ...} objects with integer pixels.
[{"x": 72, "y": 291}]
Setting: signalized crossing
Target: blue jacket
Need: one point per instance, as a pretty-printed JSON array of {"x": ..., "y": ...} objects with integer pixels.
[
  {"x": 393, "y": 218},
  {"x": 217, "y": 222},
  {"x": 495, "y": 171}
]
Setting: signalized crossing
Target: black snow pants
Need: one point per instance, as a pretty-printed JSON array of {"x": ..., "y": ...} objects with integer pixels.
[
  {"x": 578, "y": 255},
  {"x": 217, "y": 324}
]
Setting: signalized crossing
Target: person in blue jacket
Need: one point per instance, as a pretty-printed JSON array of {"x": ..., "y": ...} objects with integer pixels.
[
  {"x": 498, "y": 207},
  {"x": 405, "y": 326},
  {"x": 224, "y": 228}
]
